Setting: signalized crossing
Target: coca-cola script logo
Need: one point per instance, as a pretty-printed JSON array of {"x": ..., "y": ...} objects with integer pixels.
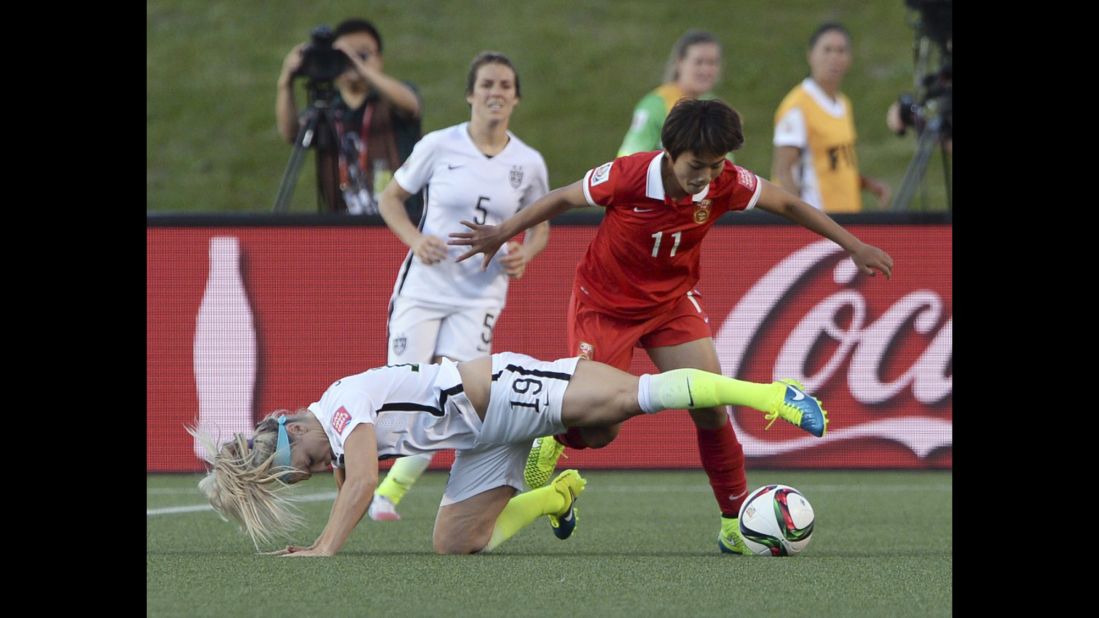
[{"x": 859, "y": 341}]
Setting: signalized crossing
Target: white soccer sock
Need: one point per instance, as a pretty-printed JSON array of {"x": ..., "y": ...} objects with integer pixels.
[{"x": 645, "y": 398}]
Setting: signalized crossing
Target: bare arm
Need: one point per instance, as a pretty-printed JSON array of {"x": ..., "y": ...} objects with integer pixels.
[
  {"x": 391, "y": 88},
  {"x": 487, "y": 239},
  {"x": 868, "y": 258},
  {"x": 286, "y": 109},
  {"x": 361, "y": 457},
  {"x": 879, "y": 188},
  {"x": 430, "y": 249},
  {"x": 782, "y": 168}
]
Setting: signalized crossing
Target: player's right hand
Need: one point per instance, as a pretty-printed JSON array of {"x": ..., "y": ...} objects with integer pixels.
[{"x": 430, "y": 249}]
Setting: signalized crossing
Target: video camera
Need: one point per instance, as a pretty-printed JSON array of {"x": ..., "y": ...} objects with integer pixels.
[
  {"x": 320, "y": 62},
  {"x": 934, "y": 96}
]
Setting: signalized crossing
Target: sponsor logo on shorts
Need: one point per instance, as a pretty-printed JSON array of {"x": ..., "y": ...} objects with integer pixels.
[
  {"x": 341, "y": 419},
  {"x": 586, "y": 350}
]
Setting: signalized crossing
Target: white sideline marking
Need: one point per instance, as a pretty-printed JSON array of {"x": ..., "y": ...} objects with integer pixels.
[
  {"x": 173, "y": 510},
  {"x": 702, "y": 487}
]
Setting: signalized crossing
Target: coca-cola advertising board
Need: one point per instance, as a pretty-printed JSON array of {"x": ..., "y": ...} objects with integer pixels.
[{"x": 245, "y": 320}]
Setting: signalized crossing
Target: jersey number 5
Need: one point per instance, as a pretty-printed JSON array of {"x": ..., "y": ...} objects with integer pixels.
[{"x": 481, "y": 209}]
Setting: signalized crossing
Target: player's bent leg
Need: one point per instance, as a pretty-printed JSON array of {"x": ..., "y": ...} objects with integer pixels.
[
  {"x": 557, "y": 500},
  {"x": 466, "y": 527},
  {"x": 719, "y": 450}
]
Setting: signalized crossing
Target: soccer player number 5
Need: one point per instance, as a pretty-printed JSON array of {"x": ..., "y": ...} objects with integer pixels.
[{"x": 481, "y": 209}]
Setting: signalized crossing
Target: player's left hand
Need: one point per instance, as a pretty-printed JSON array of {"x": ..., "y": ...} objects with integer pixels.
[
  {"x": 289, "y": 549},
  {"x": 869, "y": 258},
  {"x": 516, "y": 260},
  {"x": 305, "y": 553}
]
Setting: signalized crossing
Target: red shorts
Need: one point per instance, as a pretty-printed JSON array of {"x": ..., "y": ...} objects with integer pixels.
[{"x": 594, "y": 335}]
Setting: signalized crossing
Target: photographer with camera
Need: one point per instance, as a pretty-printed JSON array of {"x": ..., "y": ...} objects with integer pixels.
[
  {"x": 929, "y": 110},
  {"x": 815, "y": 132},
  {"x": 375, "y": 117}
]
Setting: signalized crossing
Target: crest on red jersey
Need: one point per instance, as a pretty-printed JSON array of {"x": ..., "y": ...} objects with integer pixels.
[{"x": 702, "y": 212}]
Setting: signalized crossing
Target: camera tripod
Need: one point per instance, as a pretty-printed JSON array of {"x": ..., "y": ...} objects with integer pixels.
[
  {"x": 317, "y": 131},
  {"x": 913, "y": 177}
]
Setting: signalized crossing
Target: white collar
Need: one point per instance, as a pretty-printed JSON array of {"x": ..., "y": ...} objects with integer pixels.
[
  {"x": 654, "y": 182},
  {"x": 834, "y": 108}
]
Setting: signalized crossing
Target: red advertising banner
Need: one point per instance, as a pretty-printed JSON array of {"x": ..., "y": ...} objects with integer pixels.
[{"x": 245, "y": 320}]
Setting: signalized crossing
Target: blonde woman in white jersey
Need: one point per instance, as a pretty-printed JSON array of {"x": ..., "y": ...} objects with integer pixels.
[
  {"x": 488, "y": 410},
  {"x": 476, "y": 170}
]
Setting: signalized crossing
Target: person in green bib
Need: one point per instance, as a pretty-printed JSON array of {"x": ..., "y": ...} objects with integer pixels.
[{"x": 692, "y": 70}]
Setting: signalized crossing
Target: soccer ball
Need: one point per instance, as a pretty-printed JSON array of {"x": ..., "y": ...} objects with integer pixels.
[{"x": 776, "y": 520}]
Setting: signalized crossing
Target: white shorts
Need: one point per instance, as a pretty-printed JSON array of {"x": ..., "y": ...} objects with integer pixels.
[
  {"x": 421, "y": 330},
  {"x": 524, "y": 403}
]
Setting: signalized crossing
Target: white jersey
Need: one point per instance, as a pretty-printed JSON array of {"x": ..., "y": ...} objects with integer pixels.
[
  {"x": 460, "y": 182},
  {"x": 415, "y": 408}
]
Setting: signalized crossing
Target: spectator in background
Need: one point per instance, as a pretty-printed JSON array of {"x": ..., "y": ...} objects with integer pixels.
[
  {"x": 440, "y": 308},
  {"x": 376, "y": 117},
  {"x": 815, "y": 132},
  {"x": 692, "y": 70}
]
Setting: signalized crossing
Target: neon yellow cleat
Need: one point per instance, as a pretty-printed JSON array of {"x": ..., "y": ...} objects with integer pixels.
[
  {"x": 797, "y": 407},
  {"x": 570, "y": 485},
  {"x": 729, "y": 539},
  {"x": 541, "y": 461}
]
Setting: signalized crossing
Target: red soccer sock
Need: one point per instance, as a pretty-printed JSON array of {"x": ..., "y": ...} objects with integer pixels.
[
  {"x": 572, "y": 438},
  {"x": 723, "y": 460}
]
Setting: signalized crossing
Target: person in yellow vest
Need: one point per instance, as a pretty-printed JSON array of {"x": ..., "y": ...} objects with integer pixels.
[{"x": 815, "y": 132}]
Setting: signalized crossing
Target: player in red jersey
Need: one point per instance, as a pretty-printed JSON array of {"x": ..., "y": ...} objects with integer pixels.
[{"x": 635, "y": 286}]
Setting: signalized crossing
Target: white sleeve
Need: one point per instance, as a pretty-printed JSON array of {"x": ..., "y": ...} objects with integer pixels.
[
  {"x": 539, "y": 184},
  {"x": 790, "y": 130},
  {"x": 354, "y": 409},
  {"x": 416, "y": 171}
]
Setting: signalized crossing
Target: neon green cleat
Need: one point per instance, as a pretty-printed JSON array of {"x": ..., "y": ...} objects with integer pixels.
[
  {"x": 541, "y": 461},
  {"x": 729, "y": 539},
  {"x": 797, "y": 407},
  {"x": 570, "y": 485}
]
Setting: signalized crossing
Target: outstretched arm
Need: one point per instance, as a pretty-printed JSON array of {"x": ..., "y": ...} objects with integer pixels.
[
  {"x": 868, "y": 258},
  {"x": 361, "y": 463},
  {"x": 487, "y": 239}
]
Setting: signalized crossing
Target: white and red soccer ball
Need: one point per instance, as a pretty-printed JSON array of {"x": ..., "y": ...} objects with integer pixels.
[{"x": 776, "y": 520}]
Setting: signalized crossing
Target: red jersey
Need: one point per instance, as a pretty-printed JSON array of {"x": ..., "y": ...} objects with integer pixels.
[{"x": 645, "y": 255}]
